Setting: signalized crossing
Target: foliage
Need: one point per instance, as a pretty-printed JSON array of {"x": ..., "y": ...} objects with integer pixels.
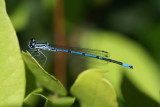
[
  {"x": 92, "y": 89},
  {"x": 30, "y": 85},
  {"x": 105, "y": 94},
  {"x": 44, "y": 79},
  {"x": 13, "y": 77},
  {"x": 12, "y": 72}
]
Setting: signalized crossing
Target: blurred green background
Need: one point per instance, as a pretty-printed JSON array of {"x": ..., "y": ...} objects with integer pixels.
[{"x": 128, "y": 30}]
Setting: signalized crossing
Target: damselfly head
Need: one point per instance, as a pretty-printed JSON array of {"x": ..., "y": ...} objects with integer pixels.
[{"x": 31, "y": 43}]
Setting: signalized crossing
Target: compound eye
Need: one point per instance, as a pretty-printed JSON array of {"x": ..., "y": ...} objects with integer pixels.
[
  {"x": 31, "y": 43},
  {"x": 33, "y": 40}
]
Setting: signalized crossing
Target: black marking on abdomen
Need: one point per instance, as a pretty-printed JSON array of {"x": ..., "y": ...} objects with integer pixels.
[
  {"x": 97, "y": 57},
  {"x": 113, "y": 61},
  {"x": 83, "y": 54},
  {"x": 69, "y": 51}
]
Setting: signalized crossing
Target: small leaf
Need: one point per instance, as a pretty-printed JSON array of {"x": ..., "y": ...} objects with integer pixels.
[
  {"x": 12, "y": 72},
  {"x": 31, "y": 100},
  {"x": 39, "y": 90},
  {"x": 44, "y": 79},
  {"x": 60, "y": 102},
  {"x": 93, "y": 90}
]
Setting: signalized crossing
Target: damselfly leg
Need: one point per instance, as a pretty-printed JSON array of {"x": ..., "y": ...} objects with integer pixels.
[{"x": 38, "y": 53}]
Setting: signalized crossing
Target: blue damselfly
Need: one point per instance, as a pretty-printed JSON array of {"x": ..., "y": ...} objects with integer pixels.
[{"x": 98, "y": 54}]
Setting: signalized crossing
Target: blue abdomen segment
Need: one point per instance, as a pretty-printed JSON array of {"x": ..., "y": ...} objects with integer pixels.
[
  {"x": 127, "y": 65},
  {"x": 94, "y": 56},
  {"x": 90, "y": 55},
  {"x": 62, "y": 50},
  {"x": 74, "y": 52}
]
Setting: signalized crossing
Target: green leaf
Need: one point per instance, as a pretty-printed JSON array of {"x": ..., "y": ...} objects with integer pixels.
[
  {"x": 59, "y": 102},
  {"x": 145, "y": 73},
  {"x": 31, "y": 83},
  {"x": 12, "y": 72},
  {"x": 44, "y": 79},
  {"x": 93, "y": 90}
]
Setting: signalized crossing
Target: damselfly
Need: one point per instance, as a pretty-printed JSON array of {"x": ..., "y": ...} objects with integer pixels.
[{"x": 98, "y": 54}]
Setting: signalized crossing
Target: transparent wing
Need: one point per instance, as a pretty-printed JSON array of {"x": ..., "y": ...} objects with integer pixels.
[
  {"x": 95, "y": 52},
  {"x": 76, "y": 59}
]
